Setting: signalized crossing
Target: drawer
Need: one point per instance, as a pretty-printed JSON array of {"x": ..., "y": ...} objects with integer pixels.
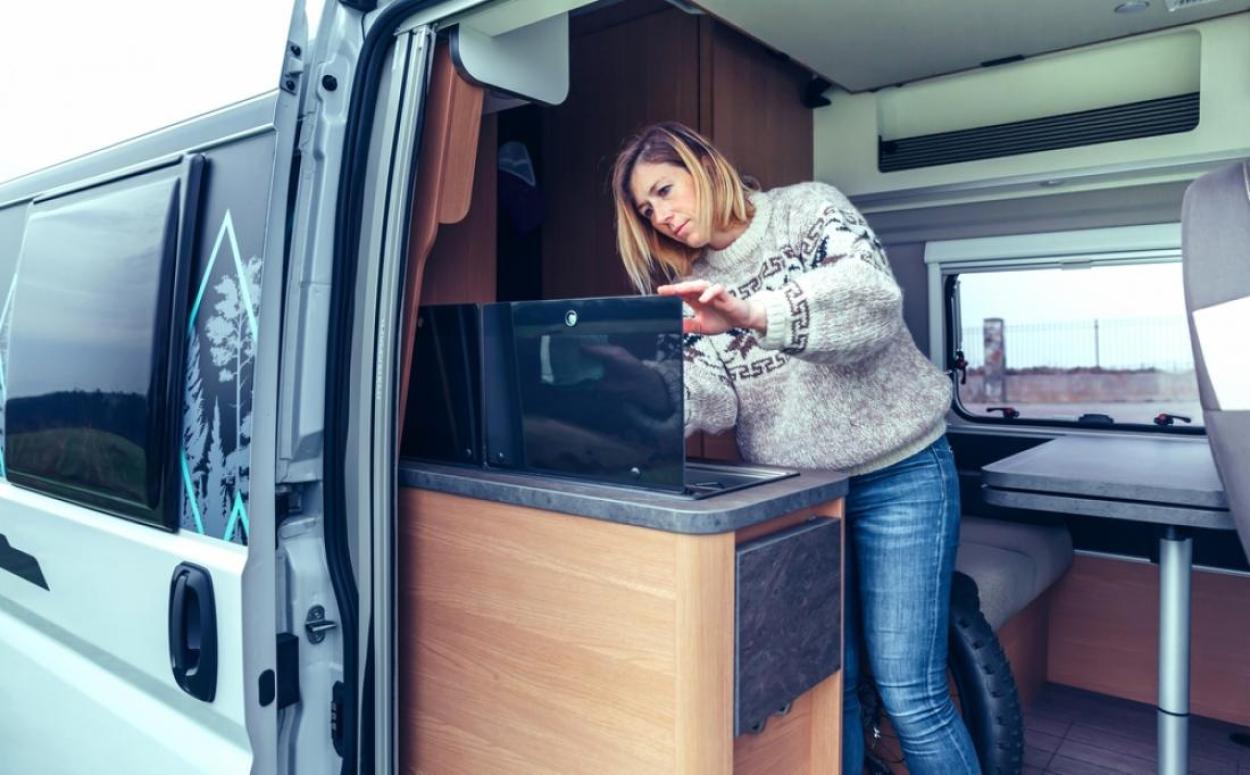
[{"x": 787, "y": 618}]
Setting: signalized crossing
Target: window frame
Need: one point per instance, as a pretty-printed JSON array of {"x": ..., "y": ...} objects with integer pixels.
[{"x": 947, "y": 260}]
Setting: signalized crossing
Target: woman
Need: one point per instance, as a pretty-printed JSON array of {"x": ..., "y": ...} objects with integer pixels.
[{"x": 797, "y": 340}]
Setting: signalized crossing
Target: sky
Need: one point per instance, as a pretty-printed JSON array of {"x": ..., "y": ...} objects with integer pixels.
[
  {"x": 93, "y": 332},
  {"x": 1052, "y": 295},
  {"x": 79, "y": 75},
  {"x": 1049, "y": 316}
]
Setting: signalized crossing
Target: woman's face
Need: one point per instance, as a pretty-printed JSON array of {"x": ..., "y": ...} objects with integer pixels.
[{"x": 664, "y": 197}]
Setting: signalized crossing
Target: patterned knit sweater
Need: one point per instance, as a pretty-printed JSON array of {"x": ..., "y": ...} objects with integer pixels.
[{"x": 836, "y": 383}]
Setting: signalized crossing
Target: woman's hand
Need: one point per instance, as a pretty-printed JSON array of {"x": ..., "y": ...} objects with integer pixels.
[
  {"x": 629, "y": 377},
  {"x": 715, "y": 309}
]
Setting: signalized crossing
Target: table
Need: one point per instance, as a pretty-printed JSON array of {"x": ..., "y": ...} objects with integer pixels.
[{"x": 1171, "y": 482}]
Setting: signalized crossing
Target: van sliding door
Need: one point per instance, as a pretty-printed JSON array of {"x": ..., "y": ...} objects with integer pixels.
[{"x": 139, "y": 291}]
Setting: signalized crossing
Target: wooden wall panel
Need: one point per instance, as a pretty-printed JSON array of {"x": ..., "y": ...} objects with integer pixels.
[
  {"x": 615, "y": 13},
  {"x": 1104, "y": 635},
  {"x": 705, "y": 653},
  {"x": 624, "y": 77},
  {"x": 756, "y": 117},
  {"x": 449, "y": 141},
  {"x": 808, "y": 739},
  {"x": 1024, "y": 640},
  {"x": 461, "y": 265},
  {"x": 721, "y": 446}
]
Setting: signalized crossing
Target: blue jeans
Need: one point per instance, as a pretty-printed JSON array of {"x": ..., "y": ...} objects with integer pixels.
[{"x": 902, "y": 528}]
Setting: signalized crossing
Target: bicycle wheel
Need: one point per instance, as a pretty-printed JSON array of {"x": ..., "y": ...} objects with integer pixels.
[{"x": 986, "y": 689}]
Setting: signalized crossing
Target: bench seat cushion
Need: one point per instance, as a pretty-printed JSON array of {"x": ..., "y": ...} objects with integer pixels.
[{"x": 1011, "y": 562}]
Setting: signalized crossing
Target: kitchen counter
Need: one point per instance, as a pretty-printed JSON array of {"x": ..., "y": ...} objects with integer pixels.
[{"x": 720, "y": 513}]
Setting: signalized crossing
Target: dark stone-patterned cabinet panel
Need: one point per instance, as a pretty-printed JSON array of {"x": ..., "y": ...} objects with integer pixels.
[{"x": 788, "y": 617}]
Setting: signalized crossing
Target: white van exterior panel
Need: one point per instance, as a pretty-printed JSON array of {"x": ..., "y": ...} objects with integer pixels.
[{"x": 79, "y": 657}]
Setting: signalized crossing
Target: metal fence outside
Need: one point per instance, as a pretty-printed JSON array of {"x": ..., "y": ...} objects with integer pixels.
[{"x": 1119, "y": 344}]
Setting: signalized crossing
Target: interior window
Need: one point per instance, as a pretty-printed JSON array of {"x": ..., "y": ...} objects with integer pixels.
[{"x": 1100, "y": 345}]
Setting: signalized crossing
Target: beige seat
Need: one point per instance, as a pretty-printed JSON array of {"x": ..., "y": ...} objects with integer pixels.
[{"x": 1011, "y": 562}]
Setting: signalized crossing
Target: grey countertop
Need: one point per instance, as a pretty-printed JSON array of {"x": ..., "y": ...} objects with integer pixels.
[
  {"x": 1172, "y": 481},
  {"x": 672, "y": 513}
]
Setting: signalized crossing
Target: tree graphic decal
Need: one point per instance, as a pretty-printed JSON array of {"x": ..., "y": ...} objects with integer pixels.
[
  {"x": 216, "y": 495},
  {"x": 233, "y": 352},
  {"x": 216, "y": 458},
  {"x": 194, "y": 441}
]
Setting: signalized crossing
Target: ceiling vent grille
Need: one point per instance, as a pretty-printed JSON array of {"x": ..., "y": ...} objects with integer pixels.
[{"x": 1167, "y": 115}]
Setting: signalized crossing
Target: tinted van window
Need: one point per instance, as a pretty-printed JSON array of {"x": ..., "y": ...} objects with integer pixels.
[{"x": 88, "y": 412}]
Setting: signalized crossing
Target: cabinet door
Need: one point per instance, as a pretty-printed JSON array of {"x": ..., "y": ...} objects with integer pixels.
[
  {"x": 624, "y": 77},
  {"x": 753, "y": 111}
]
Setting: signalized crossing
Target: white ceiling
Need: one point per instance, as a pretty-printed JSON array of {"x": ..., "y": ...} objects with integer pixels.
[{"x": 867, "y": 44}]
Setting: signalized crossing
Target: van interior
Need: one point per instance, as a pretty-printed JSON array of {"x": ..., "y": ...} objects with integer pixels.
[
  {"x": 377, "y": 517},
  {"x": 1013, "y": 160}
]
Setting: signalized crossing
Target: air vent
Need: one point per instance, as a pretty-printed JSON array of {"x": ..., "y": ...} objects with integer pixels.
[
  {"x": 1175, "y": 5},
  {"x": 1148, "y": 118}
]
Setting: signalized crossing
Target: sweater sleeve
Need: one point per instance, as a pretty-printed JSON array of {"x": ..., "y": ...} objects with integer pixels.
[
  {"x": 710, "y": 400},
  {"x": 846, "y": 306},
  {"x": 659, "y": 422}
]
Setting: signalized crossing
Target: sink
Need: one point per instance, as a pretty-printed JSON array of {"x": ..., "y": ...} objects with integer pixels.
[{"x": 705, "y": 479}]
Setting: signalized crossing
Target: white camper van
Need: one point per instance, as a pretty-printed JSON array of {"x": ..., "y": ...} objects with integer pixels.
[{"x": 304, "y": 469}]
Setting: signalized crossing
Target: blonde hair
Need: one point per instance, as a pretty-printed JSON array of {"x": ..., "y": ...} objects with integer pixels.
[{"x": 720, "y": 196}]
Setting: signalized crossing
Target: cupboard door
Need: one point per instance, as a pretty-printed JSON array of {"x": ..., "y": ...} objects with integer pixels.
[{"x": 624, "y": 77}]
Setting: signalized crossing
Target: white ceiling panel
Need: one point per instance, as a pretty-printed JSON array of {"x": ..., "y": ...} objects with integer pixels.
[{"x": 868, "y": 44}]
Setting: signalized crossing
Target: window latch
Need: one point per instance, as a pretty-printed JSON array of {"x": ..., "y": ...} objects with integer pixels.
[
  {"x": 1009, "y": 412},
  {"x": 961, "y": 366},
  {"x": 1165, "y": 419}
]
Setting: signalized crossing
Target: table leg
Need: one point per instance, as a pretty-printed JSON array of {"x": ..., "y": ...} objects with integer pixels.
[{"x": 1175, "y": 562}]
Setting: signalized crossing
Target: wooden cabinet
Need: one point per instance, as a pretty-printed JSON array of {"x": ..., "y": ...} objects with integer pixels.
[
  {"x": 543, "y": 642},
  {"x": 638, "y": 63}
]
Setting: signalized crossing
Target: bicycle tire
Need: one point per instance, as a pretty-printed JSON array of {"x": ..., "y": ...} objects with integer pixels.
[{"x": 988, "y": 698}]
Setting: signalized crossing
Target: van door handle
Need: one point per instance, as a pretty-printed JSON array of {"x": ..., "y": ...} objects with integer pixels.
[{"x": 193, "y": 631}]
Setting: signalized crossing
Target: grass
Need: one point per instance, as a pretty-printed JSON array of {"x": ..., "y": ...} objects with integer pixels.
[{"x": 82, "y": 457}]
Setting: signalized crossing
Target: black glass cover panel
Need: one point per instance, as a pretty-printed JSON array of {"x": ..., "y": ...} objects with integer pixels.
[
  {"x": 443, "y": 421},
  {"x": 501, "y": 398},
  {"x": 92, "y": 401},
  {"x": 597, "y": 389}
]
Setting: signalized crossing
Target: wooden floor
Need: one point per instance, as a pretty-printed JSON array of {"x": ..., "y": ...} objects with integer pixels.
[{"x": 1075, "y": 732}]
